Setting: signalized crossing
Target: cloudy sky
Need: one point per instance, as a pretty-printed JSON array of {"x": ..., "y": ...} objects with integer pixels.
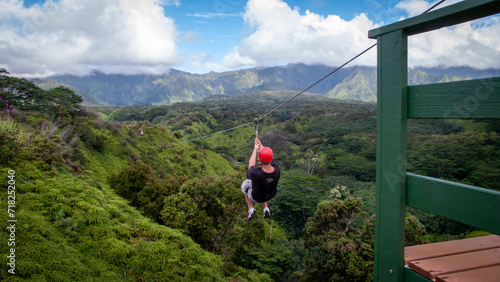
[{"x": 40, "y": 38}]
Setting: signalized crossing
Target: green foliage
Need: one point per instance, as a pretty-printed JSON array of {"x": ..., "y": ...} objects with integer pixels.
[
  {"x": 281, "y": 260},
  {"x": 78, "y": 169},
  {"x": 25, "y": 95},
  {"x": 434, "y": 127},
  {"x": 131, "y": 181},
  {"x": 341, "y": 135},
  {"x": 414, "y": 230},
  {"x": 130, "y": 113},
  {"x": 73, "y": 225},
  {"x": 439, "y": 225},
  {"x": 358, "y": 189},
  {"x": 9, "y": 144},
  {"x": 338, "y": 251},
  {"x": 152, "y": 196},
  {"x": 210, "y": 210},
  {"x": 341, "y": 211},
  {"x": 91, "y": 139},
  {"x": 466, "y": 157},
  {"x": 297, "y": 198},
  {"x": 64, "y": 97},
  {"x": 19, "y": 92},
  {"x": 71, "y": 229},
  {"x": 478, "y": 233},
  {"x": 353, "y": 165}
]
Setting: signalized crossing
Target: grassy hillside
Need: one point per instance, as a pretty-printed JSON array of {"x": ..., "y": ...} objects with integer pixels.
[
  {"x": 71, "y": 225},
  {"x": 97, "y": 201},
  {"x": 330, "y": 139}
]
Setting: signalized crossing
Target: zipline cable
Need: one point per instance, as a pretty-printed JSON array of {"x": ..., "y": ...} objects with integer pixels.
[
  {"x": 301, "y": 92},
  {"x": 282, "y": 104},
  {"x": 222, "y": 131},
  {"x": 432, "y": 8},
  {"x": 337, "y": 69},
  {"x": 324, "y": 77}
]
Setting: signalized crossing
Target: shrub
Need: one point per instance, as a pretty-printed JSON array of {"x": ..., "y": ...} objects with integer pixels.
[
  {"x": 340, "y": 252},
  {"x": 130, "y": 181},
  {"x": 91, "y": 139}
]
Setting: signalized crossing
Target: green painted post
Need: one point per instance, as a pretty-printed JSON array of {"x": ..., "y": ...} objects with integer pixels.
[{"x": 392, "y": 110}]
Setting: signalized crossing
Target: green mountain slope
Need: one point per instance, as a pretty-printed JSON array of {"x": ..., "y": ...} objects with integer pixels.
[
  {"x": 350, "y": 83},
  {"x": 71, "y": 225},
  {"x": 416, "y": 77},
  {"x": 177, "y": 86},
  {"x": 361, "y": 84}
]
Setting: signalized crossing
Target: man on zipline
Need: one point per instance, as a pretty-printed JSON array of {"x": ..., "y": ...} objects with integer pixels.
[{"x": 263, "y": 181}]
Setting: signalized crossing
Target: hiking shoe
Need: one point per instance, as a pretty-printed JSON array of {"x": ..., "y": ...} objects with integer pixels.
[
  {"x": 267, "y": 213},
  {"x": 251, "y": 214}
]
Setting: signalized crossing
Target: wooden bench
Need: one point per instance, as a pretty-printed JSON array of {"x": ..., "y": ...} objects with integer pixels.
[{"x": 467, "y": 260}]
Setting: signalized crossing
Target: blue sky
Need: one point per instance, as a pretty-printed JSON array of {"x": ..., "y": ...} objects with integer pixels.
[
  {"x": 219, "y": 25},
  {"x": 43, "y": 38}
]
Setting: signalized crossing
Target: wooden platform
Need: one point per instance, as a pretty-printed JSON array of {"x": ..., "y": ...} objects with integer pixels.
[{"x": 467, "y": 260}]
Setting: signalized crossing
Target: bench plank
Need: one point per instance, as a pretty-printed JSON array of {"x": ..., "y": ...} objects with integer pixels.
[
  {"x": 433, "y": 267},
  {"x": 490, "y": 274},
  {"x": 433, "y": 250}
]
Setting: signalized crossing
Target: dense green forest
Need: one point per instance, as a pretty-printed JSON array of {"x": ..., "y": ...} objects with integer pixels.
[{"x": 95, "y": 200}]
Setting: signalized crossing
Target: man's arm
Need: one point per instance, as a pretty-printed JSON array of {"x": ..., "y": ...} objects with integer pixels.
[{"x": 256, "y": 149}]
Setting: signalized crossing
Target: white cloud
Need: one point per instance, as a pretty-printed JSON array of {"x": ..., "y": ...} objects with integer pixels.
[
  {"x": 192, "y": 36},
  {"x": 466, "y": 44},
  {"x": 413, "y": 7},
  {"x": 475, "y": 44},
  {"x": 417, "y": 7},
  {"x": 72, "y": 36},
  {"x": 203, "y": 62},
  {"x": 236, "y": 60},
  {"x": 282, "y": 35},
  {"x": 169, "y": 2}
]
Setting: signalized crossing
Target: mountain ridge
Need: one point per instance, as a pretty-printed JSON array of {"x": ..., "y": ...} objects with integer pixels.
[{"x": 356, "y": 83}]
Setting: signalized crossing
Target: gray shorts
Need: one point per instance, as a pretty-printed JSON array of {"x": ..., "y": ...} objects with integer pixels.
[{"x": 246, "y": 188}]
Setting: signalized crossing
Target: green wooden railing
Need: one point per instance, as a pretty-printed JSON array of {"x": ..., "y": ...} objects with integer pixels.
[{"x": 397, "y": 102}]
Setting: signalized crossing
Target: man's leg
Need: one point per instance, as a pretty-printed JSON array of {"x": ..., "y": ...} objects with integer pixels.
[
  {"x": 266, "y": 212},
  {"x": 246, "y": 187},
  {"x": 249, "y": 203}
]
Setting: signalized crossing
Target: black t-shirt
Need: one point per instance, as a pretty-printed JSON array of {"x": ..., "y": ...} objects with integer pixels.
[{"x": 264, "y": 185}]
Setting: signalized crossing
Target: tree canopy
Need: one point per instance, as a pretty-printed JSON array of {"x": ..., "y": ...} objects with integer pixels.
[{"x": 24, "y": 95}]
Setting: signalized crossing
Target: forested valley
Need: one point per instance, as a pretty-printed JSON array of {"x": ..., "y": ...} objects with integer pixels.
[{"x": 96, "y": 200}]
